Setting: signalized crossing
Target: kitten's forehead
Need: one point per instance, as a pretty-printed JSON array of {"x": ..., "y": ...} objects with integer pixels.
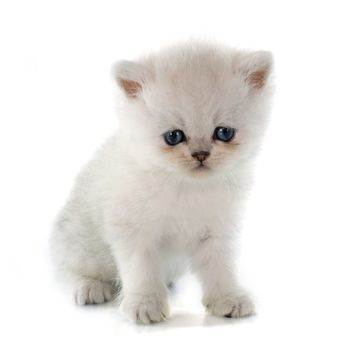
[
  {"x": 194, "y": 106},
  {"x": 193, "y": 76},
  {"x": 188, "y": 113},
  {"x": 194, "y": 87}
]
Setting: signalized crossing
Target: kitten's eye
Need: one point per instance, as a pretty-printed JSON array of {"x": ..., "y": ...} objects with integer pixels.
[
  {"x": 173, "y": 137},
  {"x": 224, "y": 134}
]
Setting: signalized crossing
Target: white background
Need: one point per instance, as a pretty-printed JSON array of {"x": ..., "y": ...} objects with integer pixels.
[{"x": 56, "y": 107}]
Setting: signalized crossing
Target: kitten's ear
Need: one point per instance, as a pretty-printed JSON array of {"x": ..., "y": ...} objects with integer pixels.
[
  {"x": 255, "y": 68},
  {"x": 131, "y": 77}
]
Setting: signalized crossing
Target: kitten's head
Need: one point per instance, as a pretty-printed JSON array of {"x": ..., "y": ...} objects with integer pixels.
[{"x": 196, "y": 109}]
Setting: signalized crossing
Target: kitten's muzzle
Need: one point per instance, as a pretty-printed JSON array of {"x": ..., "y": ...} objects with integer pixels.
[{"x": 201, "y": 156}]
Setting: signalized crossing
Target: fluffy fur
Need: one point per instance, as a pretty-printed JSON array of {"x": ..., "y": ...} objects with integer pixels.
[{"x": 141, "y": 211}]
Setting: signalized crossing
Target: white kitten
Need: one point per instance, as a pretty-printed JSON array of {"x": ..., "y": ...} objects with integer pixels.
[{"x": 166, "y": 191}]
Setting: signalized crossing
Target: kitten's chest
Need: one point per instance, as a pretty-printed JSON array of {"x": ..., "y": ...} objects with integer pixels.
[
  {"x": 191, "y": 211},
  {"x": 163, "y": 208}
]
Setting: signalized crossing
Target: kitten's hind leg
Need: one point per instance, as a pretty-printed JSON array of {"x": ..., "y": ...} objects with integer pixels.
[
  {"x": 93, "y": 291},
  {"x": 86, "y": 289},
  {"x": 83, "y": 261}
]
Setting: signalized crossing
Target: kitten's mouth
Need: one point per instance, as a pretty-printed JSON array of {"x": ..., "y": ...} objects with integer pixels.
[{"x": 201, "y": 167}]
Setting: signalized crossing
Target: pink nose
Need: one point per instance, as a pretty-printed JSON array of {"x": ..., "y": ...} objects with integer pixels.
[{"x": 201, "y": 156}]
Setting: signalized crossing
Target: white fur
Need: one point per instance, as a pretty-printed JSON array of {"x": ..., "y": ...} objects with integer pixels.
[{"x": 139, "y": 213}]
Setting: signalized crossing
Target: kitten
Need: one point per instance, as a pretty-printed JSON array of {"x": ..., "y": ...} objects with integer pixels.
[{"x": 165, "y": 193}]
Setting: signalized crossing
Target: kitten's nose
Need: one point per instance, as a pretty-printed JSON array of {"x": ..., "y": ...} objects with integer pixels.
[{"x": 201, "y": 156}]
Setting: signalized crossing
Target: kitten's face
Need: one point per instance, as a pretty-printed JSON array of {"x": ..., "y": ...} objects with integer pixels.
[
  {"x": 197, "y": 133},
  {"x": 201, "y": 114}
]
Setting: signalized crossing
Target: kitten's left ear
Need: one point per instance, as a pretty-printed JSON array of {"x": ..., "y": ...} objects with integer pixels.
[
  {"x": 255, "y": 68},
  {"x": 131, "y": 77}
]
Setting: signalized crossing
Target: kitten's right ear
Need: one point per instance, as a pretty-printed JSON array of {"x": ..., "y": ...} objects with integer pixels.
[{"x": 131, "y": 77}]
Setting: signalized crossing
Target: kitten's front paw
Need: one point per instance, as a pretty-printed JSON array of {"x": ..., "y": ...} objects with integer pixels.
[
  {"x": 230, "y": 305},
  {"x": 147, "y": 308}
]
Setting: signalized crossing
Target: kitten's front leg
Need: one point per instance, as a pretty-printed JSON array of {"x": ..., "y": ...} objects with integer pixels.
[
  {"x": 213, "y": 264},
  {"x": 144, "y": 290}
]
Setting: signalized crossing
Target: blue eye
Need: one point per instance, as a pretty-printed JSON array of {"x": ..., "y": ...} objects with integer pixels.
[
  {"x": 224, "y": 134},
  {"x": 173, "y": 137}
]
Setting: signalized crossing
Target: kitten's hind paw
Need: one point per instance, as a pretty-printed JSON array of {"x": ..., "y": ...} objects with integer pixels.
[{"x": 91, "y": 291}]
